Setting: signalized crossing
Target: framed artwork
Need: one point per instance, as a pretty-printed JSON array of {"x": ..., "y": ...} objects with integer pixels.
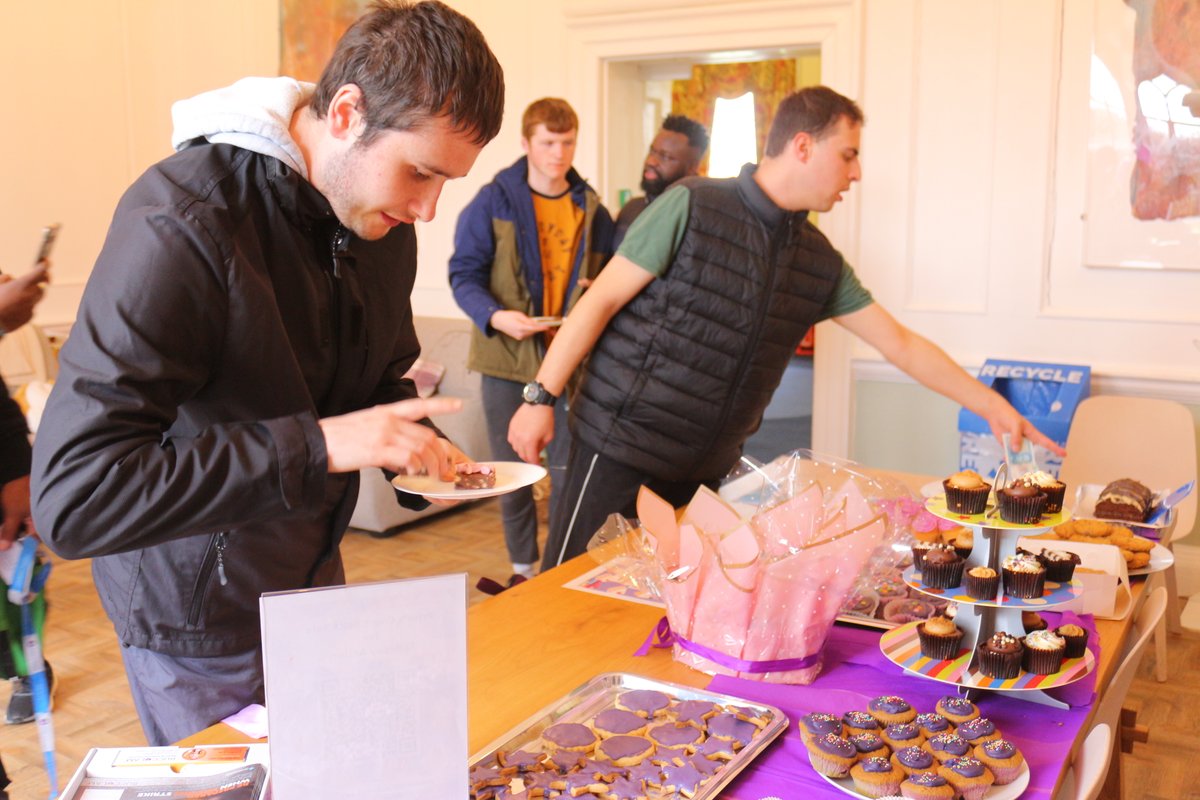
[
  {"x": 1142, "y": 202},
  {"x": 310, "y": 29}
]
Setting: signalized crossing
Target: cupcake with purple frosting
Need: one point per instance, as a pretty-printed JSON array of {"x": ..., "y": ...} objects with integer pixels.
[
  {"x": 933, "y": 724},
  {"x": 1003, "y": 758},
  {"x": 819, "y": 724},
  {"x": 860, "y": 722},
  {"x": 869, "y": 744},
  {"x": 876, "y": 777},
  {"x": 831, "y": 755},
  {"x": 956, "y": 709},
  {"x": 977, "y": 731},
  {"x": 945, "y": 746},
  {"x": 914, "y": 760},
  {"x": 890, "y": 710},
  {"x": 902, "y": 734},
  {"x": 927, "y": 786},
  {"x": 969, "y": 777}
]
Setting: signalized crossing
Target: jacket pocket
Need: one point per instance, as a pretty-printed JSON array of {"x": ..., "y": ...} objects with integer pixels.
[{"x": 214, "y": 557}]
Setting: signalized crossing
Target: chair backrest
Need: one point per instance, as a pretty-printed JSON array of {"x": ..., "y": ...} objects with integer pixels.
[
  {"x": 1112, "y": 697},
  {"x": 1086, "y": 778},
  {"x": 1152, "y": 441}
]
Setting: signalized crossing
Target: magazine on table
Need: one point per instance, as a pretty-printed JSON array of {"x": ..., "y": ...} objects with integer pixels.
[{"x": 206, "y": 772}]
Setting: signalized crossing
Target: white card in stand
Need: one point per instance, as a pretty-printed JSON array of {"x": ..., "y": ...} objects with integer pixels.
[
  {"x": 1102, "y": 572},
  {"x": 367, "y": 690}
]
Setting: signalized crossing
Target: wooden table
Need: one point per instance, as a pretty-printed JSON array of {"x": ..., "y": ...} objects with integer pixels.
[{"x": 538, "y": 641}]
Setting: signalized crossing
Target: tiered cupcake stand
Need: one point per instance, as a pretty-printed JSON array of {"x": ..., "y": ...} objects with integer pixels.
[{"x": 995, "y": 540}]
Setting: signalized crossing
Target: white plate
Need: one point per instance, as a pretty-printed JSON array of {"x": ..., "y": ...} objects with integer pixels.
[
  {"x": 1009, "y": 791},
  {"x": 932, "y": 489},
  {"x": 1160, "y": 559},
  {"x": 1085, "y": 508},
  {"x": 510, "y": 476}
]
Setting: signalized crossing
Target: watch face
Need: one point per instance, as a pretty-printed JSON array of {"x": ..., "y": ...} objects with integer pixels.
[{"x": 530, "y": 392}]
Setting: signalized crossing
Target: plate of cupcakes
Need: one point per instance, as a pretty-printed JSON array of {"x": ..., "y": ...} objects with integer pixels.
[{"x": 891, "y": 749}]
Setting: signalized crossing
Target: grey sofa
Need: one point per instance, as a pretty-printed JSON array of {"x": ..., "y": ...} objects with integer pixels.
[{"x": 446, "y": 342}]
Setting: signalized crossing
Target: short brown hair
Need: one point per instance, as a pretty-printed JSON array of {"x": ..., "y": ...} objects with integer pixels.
[
  {"x": 412, "y": 62},
  {"x": 553, "y": 112},
  {"x": 814, "y": 110}
]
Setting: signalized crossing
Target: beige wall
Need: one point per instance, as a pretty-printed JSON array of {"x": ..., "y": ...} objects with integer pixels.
[{"x": 961, "y": 226}]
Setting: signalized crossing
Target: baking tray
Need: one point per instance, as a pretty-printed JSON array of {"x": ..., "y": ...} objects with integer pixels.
[{"x": 601, "y": 692}]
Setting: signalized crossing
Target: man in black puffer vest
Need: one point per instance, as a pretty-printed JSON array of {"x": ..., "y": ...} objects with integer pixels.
[{"x": 692, "y": 323}]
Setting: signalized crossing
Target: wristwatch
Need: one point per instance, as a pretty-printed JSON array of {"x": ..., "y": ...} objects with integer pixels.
[{"x": 536, "y": 395}]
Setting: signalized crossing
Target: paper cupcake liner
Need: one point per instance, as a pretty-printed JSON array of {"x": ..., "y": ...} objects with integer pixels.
[
  {"x": 1076, "y": 645},
  {"x": 1060, "y": 571},
  {"x": 1022, "y": 510},
  {"x": 1025, "y": 585},
  {"x": 981, "y": 588},
  {"x": 966, "y": 501},
  {"x": 1042, "y": 662},
  {"x": 942, "y": 576},
  {"x": 1054, "y": 498},
  {"x": 999, "y": 665},
  {"x": 942, "y": 648}
]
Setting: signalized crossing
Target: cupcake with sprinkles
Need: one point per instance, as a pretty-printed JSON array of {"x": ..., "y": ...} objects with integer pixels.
[
  {"x": 1044, "y": 652},
  {"x": 876, "y": 777},
  {"x": 945, "y": 746},
  {"x": 818, "y": 724},
  {"x": 927, "y": 786},
  {"x": 1000, "y": 656},
  {"x": 891, "y": 709},
  {"x": 956, "y": 709},
  {"x": 977, "y": 731},
  {"x": 914, "y": 760},
  {"x": 1024, "y": 576},
  {"x": 831, "y": 755},
  {"x": 860, "y": 722},
  {"x": 902, "y": 734},
  {"x": 969, "y": 777},
  {"x": 869, "y": 744},
  {"x": 1003, "y": 758},
  {"x": 933, "y": 724}
]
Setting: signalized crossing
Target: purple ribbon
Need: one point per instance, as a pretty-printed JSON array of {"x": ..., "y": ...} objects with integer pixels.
[{"x": 663, "y": 636}]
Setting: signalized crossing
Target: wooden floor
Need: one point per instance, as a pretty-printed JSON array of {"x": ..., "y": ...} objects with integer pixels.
[{"x": 93, "y": 707}]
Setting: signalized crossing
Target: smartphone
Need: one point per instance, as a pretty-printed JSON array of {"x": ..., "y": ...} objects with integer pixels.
[{"x": 49, "y": 234}]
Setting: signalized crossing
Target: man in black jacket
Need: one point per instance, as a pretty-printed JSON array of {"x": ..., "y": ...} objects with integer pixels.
[{"x": 240, "y": 350}]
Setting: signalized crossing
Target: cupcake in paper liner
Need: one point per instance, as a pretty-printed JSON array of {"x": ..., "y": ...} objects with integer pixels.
[
  {"x": 1024, "y": 576},
  {"x": 1044, "y": 652},
  {"x": 942, "y": 568},
  {"x": 982, "y": 583},
  {"x": 969, "y": 777},
  {"x": 1003, "y": 758},
  {"x": 1076, "y": 638},
  {"x": 966, "y": 492},
  {"x": 831, "y": 755},
  {"x": 1021, "y": 504},
  {"x": 907, "y": 609},
  {"x": 1055, "y": 489},
  {"x": 1000, "y": 656},
  {"x": 876, "y": 776},
  {"x": 940, "y": 638},
  {"x": 1060, "y": 564}
]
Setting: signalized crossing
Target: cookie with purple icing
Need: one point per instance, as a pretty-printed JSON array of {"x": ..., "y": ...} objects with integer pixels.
[
  {"x": 570, "y": 736},
  {"x": 732, "y": 728},
  {"x": 694, "y": 712},
  {"x": 625, "y": 751},
  {"x": 644, "y": 702},
  {"x": 671, "y": 734},
  {"x": 615, "y": 721}
]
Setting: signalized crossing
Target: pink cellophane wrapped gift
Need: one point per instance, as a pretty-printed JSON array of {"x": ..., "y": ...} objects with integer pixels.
[{"x": 753, "y": 577}]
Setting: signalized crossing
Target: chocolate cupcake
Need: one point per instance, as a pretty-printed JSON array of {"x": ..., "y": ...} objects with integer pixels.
[
  {"x": 919, "y": 549},
  {"x": 1060, "y": 565},
  {"x": 943, "y": 568},
  {"x": 1055, "y": 489},
  {"x": 1021, "y": 504},
  {"x": 939, "y": 638},
  {"x": 1000, "y": 656},
  {"x": 1024, "y": 576},
  {"x": 1044, "y": 652},
  {"x": 982, "y": 583},
  {"x": 966, "y": 492},
  {"x": 1076, "y": 638},
  {"x": 1032, "y": 621},
  {"x": 963, "y": 541}
]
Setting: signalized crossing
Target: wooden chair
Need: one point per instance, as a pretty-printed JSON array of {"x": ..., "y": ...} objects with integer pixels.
[
  {"x": 1110, "y": 710},
  {"x": 1152, "y": 441},
  {"x": 1085, "y": 779}
]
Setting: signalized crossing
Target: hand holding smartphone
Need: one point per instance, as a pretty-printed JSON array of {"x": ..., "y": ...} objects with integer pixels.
[{"x": 49, "y": 235}]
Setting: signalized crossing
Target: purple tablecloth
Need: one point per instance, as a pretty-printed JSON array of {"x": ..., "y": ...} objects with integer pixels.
[{"x": 856, "y": 671}]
